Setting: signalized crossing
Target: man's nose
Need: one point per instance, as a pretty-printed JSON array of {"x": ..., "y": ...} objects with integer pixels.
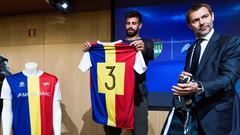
[{"x": 201, "y": 21}]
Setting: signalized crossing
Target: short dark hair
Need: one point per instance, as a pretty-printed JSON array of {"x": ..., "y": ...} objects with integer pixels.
[
  {"x": 133, "y": 13},
  {"x": 196, "y": 7}
]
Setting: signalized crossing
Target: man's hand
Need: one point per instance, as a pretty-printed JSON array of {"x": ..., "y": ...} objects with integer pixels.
[
  {"x": 182, "y": 89},
  {"x": 138, "y": 44},
  {"x": 86, "y": 46}
]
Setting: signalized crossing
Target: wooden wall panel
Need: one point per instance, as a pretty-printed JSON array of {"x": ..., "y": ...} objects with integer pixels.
[
  {"x": 156, "y": 120},
  {"x": 77, "y": 27},
  {"x": 19, "y": 55},
  {"x": 14, "y": 30},
  {"x": 104, "y": 25}
]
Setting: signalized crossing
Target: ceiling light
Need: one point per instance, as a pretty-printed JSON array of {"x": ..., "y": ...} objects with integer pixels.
[{"x": 62, "y": 5}]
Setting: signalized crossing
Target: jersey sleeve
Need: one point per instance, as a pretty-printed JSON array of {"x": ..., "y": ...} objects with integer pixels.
[
  {"x": 139, "y": 66},
  {"x": 6, "y": 90},
  {"x": 57, "y": 92},
  {"x": 85, "y": 63}
]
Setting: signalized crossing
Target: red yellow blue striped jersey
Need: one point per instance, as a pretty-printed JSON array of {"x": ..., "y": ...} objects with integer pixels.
[
  {"x": 112, "y": 82},
  {"x": 32, "y": 102}
]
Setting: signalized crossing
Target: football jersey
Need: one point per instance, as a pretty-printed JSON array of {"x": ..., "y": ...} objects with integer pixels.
[
  {"x": 32, "y": 102},
  {"x": 112, "y": 81}
]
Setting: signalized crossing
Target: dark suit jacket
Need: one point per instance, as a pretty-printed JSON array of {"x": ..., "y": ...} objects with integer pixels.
[{"x": 218, "y": 70}]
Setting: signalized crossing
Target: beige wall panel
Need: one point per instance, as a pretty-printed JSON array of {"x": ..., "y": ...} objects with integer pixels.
[
  {"x": 19, "y": 55},
  {"x": 14, "y": 30},
  {"x": 76, "y": 27},
  {"x": 156, "y": 120},
  {"x": 4, "y": 31},
  {"x": 104, "y": 26}
]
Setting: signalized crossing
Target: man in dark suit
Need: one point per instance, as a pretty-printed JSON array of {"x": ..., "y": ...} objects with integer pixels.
[{"x": 213, "y": 63}]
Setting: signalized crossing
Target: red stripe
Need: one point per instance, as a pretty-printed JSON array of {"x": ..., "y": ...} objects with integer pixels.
[
  {"x": 47, "y": 84},
  {"x": 125, "y": 104}
]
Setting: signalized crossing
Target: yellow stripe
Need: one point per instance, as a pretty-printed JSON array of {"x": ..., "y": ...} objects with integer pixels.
[
  {"x": 110, "y": 57},
  {"x": 34, "y": 105},
  {"x": 110, "y": 103}
]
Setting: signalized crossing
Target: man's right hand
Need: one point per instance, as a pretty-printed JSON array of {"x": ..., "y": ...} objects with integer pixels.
[
  {"x": 86, "y": 46},
  {"x": 182, "y": 89}
]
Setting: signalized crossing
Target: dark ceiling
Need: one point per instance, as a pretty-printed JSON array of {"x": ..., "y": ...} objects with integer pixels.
[
  {"x": 129, "y": 3},
  {"x": 15, "y": 7}
]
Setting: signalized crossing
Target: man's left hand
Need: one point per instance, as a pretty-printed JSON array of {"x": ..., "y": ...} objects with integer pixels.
[
  {"x": 138, "y": 44},
  {"x": 182, "y": 89}
]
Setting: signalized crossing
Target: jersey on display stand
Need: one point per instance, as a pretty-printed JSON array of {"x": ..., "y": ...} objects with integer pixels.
[{"x": 32, "y": 102}]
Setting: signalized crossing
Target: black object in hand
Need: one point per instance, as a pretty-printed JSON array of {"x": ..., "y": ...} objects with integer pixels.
[
  {"x": 186, "y": 79},
  {"x": 187, "y": 98}
]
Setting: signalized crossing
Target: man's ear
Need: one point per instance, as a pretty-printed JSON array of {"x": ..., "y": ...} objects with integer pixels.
[
  {"x": 140, "y": 26},
  {"x": 189, "y": 26},
  {"x": 212, "y": 16}
]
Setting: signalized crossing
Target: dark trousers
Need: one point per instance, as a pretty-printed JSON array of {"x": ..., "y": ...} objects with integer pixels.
[
  {"x": 112, "y": 130},
  {"x": 140, "y": 121}
]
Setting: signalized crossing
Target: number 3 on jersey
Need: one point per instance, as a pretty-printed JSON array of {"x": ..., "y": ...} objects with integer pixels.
[{"x": 111, "y": 78}]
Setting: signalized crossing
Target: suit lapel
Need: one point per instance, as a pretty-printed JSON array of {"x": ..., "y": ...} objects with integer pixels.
[{"x": 212, "y": 44}]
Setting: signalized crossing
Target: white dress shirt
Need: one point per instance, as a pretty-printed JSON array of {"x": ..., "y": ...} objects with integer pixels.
[{"x": 204, "y": 43}]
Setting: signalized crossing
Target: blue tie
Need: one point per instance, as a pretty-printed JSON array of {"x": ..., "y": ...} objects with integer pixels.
[{"x": 196, "y": 55}]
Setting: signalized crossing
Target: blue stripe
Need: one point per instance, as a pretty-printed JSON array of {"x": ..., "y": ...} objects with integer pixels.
[
  {"x": 97, "y": 54},
  {"x": 21, "y": 117}
]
